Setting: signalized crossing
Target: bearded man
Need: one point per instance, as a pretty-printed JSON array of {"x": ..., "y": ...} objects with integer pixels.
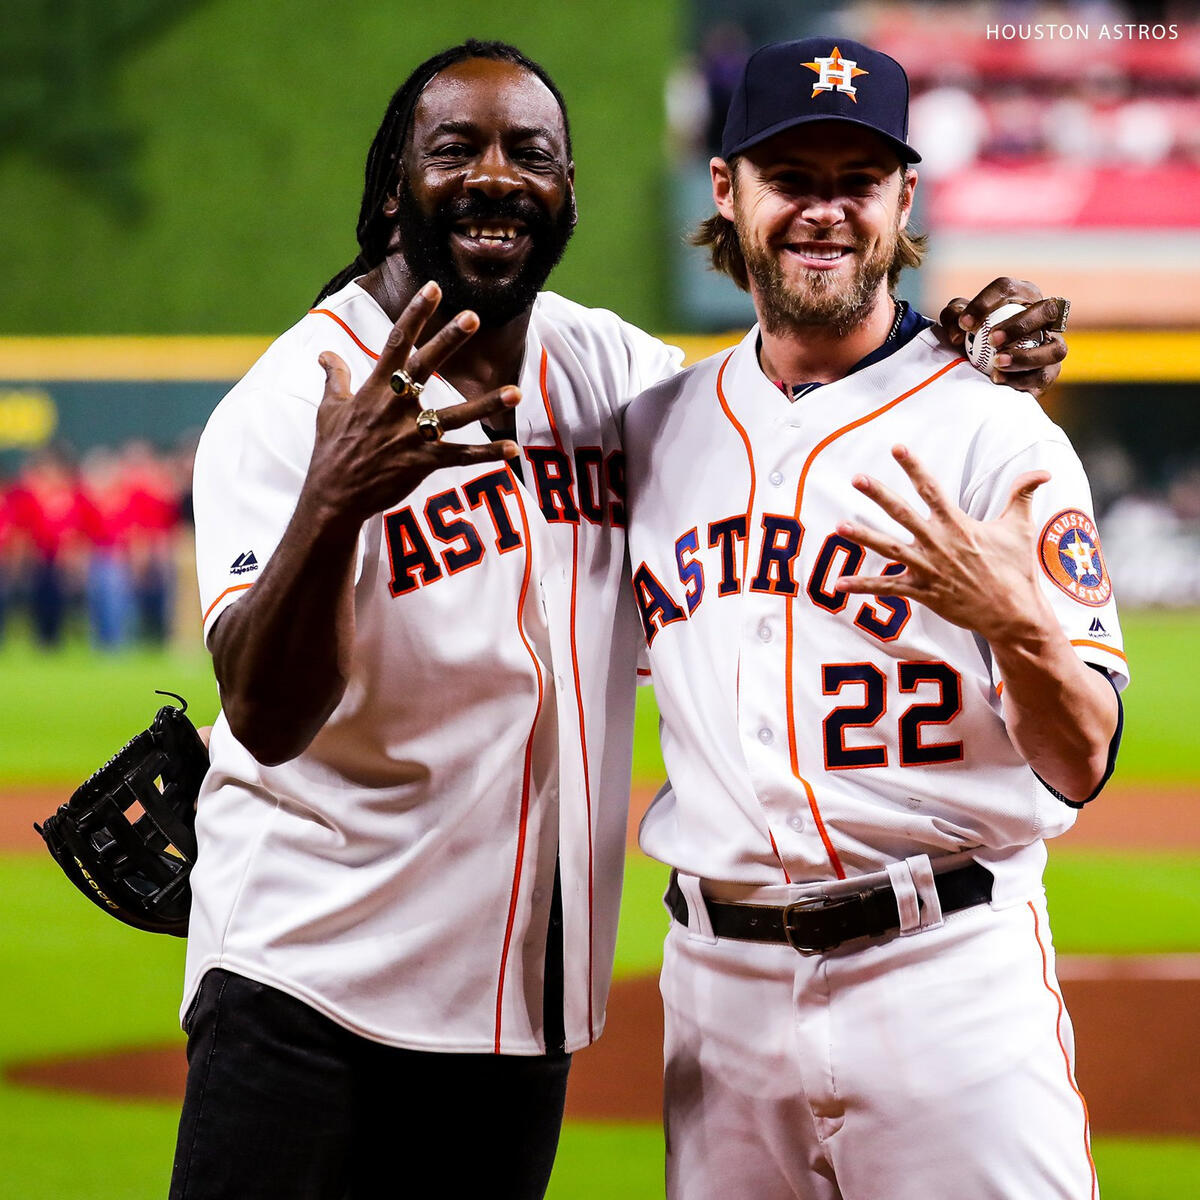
[
  {"x": 879, "y": 692},
  {"x": 415, "y": 590}
]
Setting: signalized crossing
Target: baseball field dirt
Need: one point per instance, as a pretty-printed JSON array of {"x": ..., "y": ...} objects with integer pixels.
[{"x": 1134, "y": 1016}]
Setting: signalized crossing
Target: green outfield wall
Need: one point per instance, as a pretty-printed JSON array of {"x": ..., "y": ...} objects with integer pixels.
[{"x": 196, "y": 166}]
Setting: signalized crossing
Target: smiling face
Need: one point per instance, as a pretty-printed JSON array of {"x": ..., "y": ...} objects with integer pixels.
[
  {"x": 485, "y": 201},
  {"x": 818, "y": 212}
]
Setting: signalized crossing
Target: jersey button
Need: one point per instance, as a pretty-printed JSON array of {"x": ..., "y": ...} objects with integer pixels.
[
  {"x": 764, "y": 632},
  {"x": 766, "y": 736},
  {"x": 796, "y": 821},
  {"x": 776, "y": 478}
]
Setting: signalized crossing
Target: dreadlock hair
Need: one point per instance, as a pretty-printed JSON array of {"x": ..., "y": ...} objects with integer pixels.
[
  {"x": 718, "y": 234},
  {"x": 383, "y": 159}
]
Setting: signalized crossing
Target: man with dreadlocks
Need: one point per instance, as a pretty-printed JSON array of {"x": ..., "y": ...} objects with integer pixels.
[
  {"x": 415, "y": 592},
  {"x": 412, "y": 836}
]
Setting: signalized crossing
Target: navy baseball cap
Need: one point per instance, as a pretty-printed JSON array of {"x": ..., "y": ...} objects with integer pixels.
[{"x": 818, "y": 79}]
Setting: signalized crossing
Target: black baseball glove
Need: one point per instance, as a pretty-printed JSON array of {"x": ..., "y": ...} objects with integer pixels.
[{"x": 127, "y": 836}]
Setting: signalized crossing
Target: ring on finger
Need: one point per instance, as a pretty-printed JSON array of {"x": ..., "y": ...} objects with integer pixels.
[
  {"x": 429, "y": 425},
  {"x": 1064, "y": 312},
  {"x": 405, "y": 386}
]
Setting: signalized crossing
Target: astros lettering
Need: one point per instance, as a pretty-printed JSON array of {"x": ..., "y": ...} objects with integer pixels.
[
  {"x": 774, "y": 574},
  {"x": 591, "y": 489}
]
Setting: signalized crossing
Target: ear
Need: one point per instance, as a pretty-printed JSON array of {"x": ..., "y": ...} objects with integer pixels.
[
  {"x": 571, "y": 195},
  {"x": 391, "y": 204},
  {"x": 722, "y": 186},
  {"x": 908, "y": 188}
]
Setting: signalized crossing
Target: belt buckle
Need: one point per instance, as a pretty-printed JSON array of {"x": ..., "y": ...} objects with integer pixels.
[
  {"x": 822, "y": 904},
  {"x": 806, "y": 904}
]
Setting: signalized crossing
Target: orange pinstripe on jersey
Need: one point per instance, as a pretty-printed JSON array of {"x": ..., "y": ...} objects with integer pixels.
[
  {"x": 746, "y": 542},
  {"x": 525, "y": 781},
  {"x": 1087, "y": 1141},
  {"x": 324, "y": 312},
  {"x": 789, "y": 632},
  {"x": 237, "y": 587},
  {"x": 749, "y": 459},
  {"x": 1100, "y": 646},
  {"x": 587, "y": 783}
]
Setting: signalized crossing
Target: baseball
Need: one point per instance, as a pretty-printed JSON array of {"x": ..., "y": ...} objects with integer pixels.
[{"x": 981, "y": 351}]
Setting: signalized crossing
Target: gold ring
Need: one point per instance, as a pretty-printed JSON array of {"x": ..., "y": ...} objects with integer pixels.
[
  {"x": 429, "y": 425},
  {"x": 1064, "y": 311},
  {"x": 405, "y": 386}
]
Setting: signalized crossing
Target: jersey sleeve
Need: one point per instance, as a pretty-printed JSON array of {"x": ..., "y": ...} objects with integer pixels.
[
  {"x": 250, "y": 465},
  {"x": 650, "y": 360},
  {"x": 1071, "y": 568}
]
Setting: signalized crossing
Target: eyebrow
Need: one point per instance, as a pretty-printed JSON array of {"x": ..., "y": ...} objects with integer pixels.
[{"x": 467, "y": 129}]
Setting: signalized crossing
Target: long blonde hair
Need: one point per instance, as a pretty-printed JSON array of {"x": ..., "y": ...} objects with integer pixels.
[{"x": 725, "y": 250}]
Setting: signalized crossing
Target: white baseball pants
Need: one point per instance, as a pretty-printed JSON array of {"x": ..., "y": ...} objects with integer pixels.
[{"x": 934, "y": 1064}]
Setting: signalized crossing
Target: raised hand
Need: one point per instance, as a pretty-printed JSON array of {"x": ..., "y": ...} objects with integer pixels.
[
  {"x": 370, "y": 451},
  {"x": 977, "y": 574}
]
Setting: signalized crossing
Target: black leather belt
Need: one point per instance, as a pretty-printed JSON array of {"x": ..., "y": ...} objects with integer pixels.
[{"x": 818, "y": 923}]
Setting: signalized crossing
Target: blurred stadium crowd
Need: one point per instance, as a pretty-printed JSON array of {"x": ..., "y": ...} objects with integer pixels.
[
  {"x": 981, "y": 99},
  {"x": 95, "y": 542},
  {"x": 1151, "y": 530}
]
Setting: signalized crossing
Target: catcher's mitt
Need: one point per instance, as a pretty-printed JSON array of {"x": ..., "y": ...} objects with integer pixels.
[{"x": 126, "y": 838}]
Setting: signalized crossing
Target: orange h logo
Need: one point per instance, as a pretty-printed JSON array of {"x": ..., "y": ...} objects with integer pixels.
[{"x": 836, "y": 74}]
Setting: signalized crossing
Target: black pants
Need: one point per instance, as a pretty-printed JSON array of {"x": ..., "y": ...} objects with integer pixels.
[{"x": 284, "y": 1104}]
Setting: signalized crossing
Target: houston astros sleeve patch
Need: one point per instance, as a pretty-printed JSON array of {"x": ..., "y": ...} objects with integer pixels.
[{"x": 1069, "y": 550}]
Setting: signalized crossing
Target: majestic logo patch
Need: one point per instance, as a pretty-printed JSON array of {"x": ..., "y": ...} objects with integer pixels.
[
  {"x": 1097, "y": 628},
  {"x": 836, "y": 75},
  {"x": 243, "y": 563},
  {"x": 1069, "y": 549}
]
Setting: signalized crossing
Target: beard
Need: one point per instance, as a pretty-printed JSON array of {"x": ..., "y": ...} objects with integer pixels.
[
  {"x": 815, "y": 298},
  {"x": 498, "y": 292}
]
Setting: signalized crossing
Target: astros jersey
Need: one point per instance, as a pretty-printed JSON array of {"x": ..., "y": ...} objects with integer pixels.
[
  {"x": 811, "y": 735},
  {"x": 397, "y": 875}
]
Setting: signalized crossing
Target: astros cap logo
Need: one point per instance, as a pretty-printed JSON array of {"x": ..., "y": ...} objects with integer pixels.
[
  {"x": 1069, "y": 550},
  {"x": 836, "y": 75},
  {"x": 787, "y": 84}
]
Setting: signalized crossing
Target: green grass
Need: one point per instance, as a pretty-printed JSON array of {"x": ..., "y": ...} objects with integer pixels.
[
  {"x": 65, "y": 712},
  {"x": 1124, "y": 903},
  {"x": 643, "y": 922},
  {"x": 1161, "y": 742},
  {"x": 74, "y": 978},
  {"x": 76, "y": 981},
  {"x": 648, "y": 769},
  {"x": 602, "y": 1160},
  {"x": 60, "y": 1147},
  {"x": 1147, "y": 1169}
]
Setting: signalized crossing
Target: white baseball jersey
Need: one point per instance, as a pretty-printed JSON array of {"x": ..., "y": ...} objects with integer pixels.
[
  {"x": 810, "y": 735},
  {"x": 397, "y": 875}
]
